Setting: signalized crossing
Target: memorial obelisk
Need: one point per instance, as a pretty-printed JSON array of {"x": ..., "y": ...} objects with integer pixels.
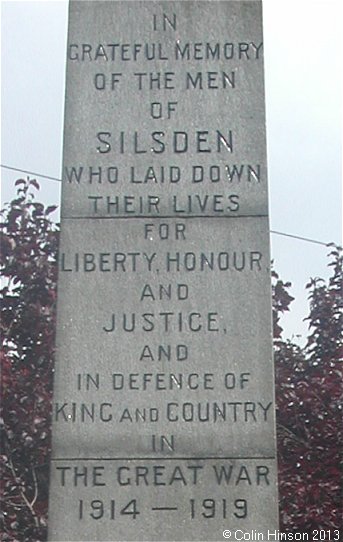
[{"x": 163, "y": 409}]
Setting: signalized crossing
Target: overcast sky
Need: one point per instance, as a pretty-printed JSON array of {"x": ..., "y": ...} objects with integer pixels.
[{"x": 303, "y": 71}]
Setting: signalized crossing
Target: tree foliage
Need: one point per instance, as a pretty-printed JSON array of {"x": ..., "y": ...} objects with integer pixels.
[
  {"x": 28, "y": 295},
  {"x": 309, "y": 409},
  {"x": 308, "y": 381}
]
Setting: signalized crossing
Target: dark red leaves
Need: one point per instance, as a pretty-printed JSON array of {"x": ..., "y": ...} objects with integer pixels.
[
  {"x": 28, "y": 294},
  {"x": 309, "y": 414}
]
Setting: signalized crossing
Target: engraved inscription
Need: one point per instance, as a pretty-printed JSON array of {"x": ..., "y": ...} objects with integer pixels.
[{"x": 163, "y": 408}]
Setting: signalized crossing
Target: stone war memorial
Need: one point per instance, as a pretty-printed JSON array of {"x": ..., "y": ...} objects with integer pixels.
[{"x": 163, "y": 409}]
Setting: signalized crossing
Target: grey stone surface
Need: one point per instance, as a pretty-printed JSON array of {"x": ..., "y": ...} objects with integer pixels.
[{"x": 163, "y": 410}]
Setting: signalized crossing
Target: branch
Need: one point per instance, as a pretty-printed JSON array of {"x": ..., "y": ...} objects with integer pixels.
[
  {"x": 25, "y": 499},
  {"x": 292, "y": 435}
]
